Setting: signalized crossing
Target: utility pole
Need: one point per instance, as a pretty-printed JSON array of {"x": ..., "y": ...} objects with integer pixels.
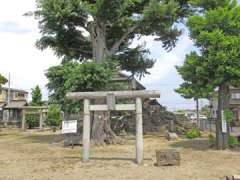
[
  {"x": 9, "y": 91},
  {"x": 8, "y": 98}
]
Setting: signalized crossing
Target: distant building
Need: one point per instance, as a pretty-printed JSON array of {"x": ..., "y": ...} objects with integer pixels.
[
  {"x": 11, "y": 112},
  {"x": 234, "y": 104}
]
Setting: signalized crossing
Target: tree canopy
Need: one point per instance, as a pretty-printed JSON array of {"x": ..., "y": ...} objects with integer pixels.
[
  {"x": 216, "y": 64},
  {"x": 73, "y": 76},
  {"x": 36, "y": 96},
  {"x": 105, "y": 29},
  {"x": 3, "y": 80}
]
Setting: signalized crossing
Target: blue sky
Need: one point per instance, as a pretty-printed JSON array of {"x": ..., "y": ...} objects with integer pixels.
[{"x": 27, "y": 65}]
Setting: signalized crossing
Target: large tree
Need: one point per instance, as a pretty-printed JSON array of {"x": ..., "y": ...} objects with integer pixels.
[
  {"x": 105, "y": 29},
  {"x": 216, "y": 65}
]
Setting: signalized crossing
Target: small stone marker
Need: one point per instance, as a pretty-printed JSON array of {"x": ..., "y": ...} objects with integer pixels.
[
  {"x": 170, "y": 136},
  {"x": 168, "y": 157}
]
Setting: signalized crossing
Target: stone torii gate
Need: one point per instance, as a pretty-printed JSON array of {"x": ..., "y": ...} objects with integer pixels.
[
  {"x": 111, "y": 105},
  {"x": 41, "y": 110}
]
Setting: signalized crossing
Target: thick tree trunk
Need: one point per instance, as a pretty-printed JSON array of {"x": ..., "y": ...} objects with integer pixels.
[
  {"x": 223, "y": 103},
  {"x": 101, "y": 132}
]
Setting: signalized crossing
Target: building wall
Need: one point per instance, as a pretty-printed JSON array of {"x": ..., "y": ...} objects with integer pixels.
[
  {"x": 235, "y": 97},
  {"x": 3, "y": 96},
  {"x": 14, "y": 95}
]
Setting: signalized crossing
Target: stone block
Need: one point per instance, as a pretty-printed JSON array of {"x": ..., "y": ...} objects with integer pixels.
[{"x": 168, "y": 157}]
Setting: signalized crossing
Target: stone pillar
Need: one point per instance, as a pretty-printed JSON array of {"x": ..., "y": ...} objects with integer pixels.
[
  {"x": 23, "y": 119},
  {"x": 86, "y": 131},
  {"x": 171, "y": 125},
  {"x": 40, "y": 119},
  {"x": 139, "y": 131}
]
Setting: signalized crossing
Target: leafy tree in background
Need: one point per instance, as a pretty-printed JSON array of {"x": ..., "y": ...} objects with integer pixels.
[
  {"x": 36, "y": 96},
  {"x": 73, "y": 76},
  {"x": 216, "y": 33},
  {"x": 32, "y": 120},
  {"x": 190, "y": 91},
  {"x": 3, "y": 80},
  {"x": 54, "y": 118},
  {"x": 99, "y": 30}
]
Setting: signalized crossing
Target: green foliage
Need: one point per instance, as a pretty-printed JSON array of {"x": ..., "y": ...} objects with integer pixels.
[
  {"x": 69, "y": 31},
  {"x": 216, "y": 34},
  {"x": 54, "y": 118},
  {"x": 216, "y": 63},
  {"x": 233, "y": 141},
  {"x": 73, "y": 76},
  {"x": 3, "y": 80},
  {"x": 36, "y": 96},
  {"x": 193, "y": 133},
  {"x": 32, "y": 120},
  {"x": 211, "y": 4},
  {"x": 211, "y": 139},
  {"x": 228, "y": 115}
]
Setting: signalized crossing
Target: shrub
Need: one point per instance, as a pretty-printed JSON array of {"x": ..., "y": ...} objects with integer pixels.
[
  {"x": 54, "y": 118},
  {"x": 233, "y": 141},
  {"x": 211, "y": 139},
  {"x": 32, "y": 120},
  {"x": 193, "y": 133}
]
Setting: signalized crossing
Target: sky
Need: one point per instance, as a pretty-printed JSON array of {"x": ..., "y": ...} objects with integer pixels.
[{"x": 27, "y": 65}]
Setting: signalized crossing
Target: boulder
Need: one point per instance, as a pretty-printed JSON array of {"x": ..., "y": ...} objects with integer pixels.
[{"x": 168, "y": 157}]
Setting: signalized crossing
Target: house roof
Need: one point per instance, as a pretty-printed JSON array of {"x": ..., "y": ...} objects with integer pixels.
[
  {"x": 16, "y": 90},
  {"x": 16, "y": 104}
]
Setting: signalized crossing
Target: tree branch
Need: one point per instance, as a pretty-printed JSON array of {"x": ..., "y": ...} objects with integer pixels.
[
  {"x": 116, "y": 45},
  {"x": 81, "y": 50}
]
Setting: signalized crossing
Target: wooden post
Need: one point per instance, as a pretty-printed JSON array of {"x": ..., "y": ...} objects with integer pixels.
[
  {"x": 41, "y": 120},
  {"x": 23, "y": 119},
  {"x": 139, "y": 131},
  {"x": 86, "y": 131}
]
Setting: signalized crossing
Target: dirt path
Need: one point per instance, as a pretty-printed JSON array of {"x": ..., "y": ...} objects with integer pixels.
[{"x": 40, "y": 156}]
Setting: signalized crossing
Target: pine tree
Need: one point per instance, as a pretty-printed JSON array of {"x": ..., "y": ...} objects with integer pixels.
[{"x": 36, "y": 96}]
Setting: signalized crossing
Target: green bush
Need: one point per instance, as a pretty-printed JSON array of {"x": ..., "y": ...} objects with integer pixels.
[
  {"x": 211, "y": 139},
  {"x": 54, "y": 118},
  {"x": 233, "y": 141},
  {"x": 193, "y": 133},
  {"x": 32, "y": 120}
]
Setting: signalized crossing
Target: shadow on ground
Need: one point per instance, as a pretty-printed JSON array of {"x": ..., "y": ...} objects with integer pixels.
[
  {"x": 195, "y": 144},
  {"x": 48, "y": 139}
]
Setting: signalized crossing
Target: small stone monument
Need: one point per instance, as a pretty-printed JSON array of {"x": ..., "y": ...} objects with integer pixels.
[
  {"x": 168, "y": 157},
  {"x": 171, "y": 136}
]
